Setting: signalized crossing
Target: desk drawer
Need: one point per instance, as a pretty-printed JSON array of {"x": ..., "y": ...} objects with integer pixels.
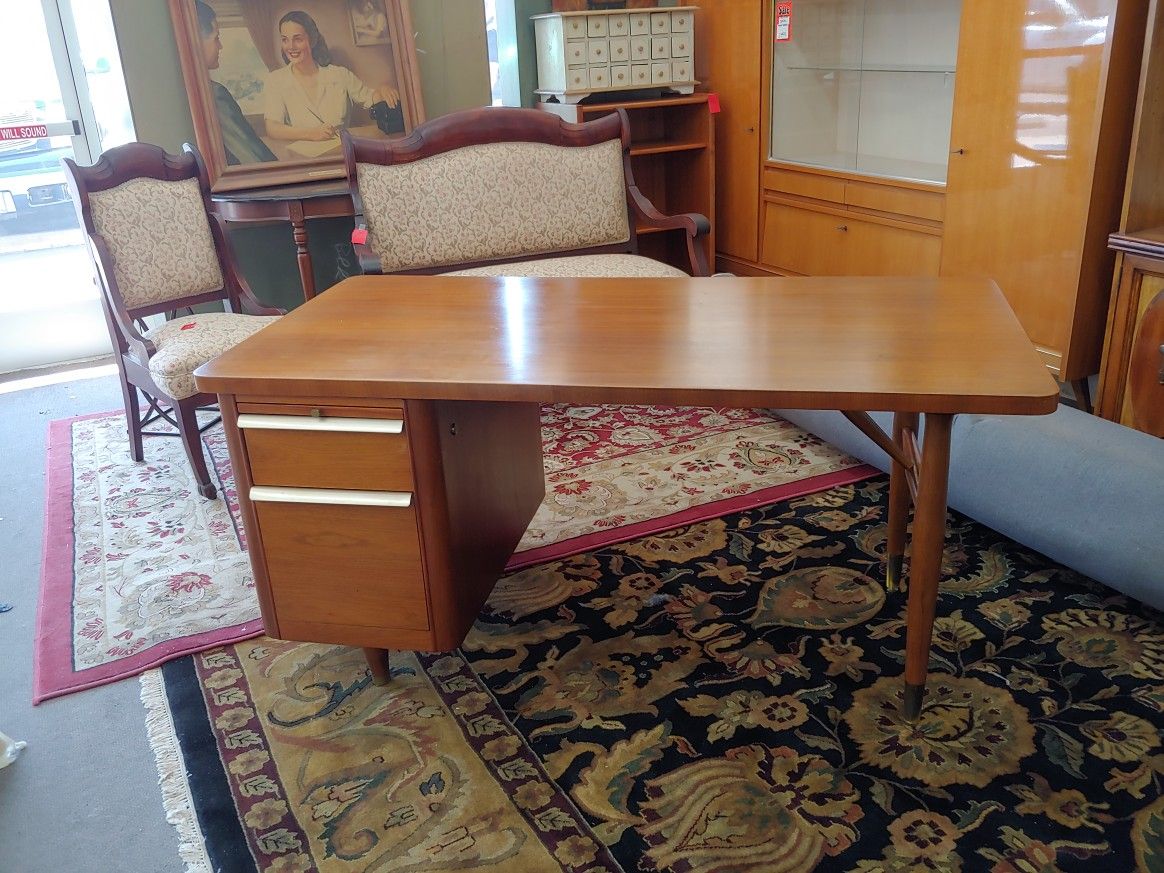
[
  {"x": 300, "y": 451},
  {"x": 381, "y": 583}
]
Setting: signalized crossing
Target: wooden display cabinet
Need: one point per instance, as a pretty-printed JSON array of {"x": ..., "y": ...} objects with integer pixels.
[{"x": 673, "y": 161}]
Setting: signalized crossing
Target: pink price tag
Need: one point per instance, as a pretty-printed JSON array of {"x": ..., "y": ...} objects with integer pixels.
[
  {"x": 784, "y": 21},
  {"x": 713, "y": 103},
  {"x": 359, "y": 236}
]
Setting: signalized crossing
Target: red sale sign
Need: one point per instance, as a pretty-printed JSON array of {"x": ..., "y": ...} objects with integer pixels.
[
  {"x": 23, "y": 131},
  {"x": 783, "y": 21}
]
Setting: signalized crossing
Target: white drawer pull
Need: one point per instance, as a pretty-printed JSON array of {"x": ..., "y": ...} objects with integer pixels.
[
  {"x": 331, "y": 496},
  {"x": 307, "y": 422}
]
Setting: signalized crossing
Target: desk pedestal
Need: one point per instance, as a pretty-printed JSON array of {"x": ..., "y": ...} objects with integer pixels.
[{"x": 381, "y": 524}]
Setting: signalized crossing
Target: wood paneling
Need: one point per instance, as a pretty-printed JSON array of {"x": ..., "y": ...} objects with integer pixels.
[
  {"x": 814, "y": 185},
  {"x": 1040, "y": 132},
  {"x": 727, "y": 61}
]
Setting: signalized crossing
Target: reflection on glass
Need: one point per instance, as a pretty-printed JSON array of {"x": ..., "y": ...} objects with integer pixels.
[{"x": 103, "y": 73}]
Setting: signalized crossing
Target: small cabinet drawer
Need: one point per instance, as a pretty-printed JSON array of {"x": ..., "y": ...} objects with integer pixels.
[
  {"x": 640, "y": 23},
  {"x": 681, "y": 71},
  {"x": 618, "y": 25},
  {"x": 300, "y": 451},
  {"x": 660, "y": 73},
  {"x": 640, "y": 74},
  {"x": 576, "y": 53},
  {"x": 382, "y": 584},
  {"x": 600, "y": 77},
  {"x": 681, "y": 22},
  {"x": 660, "y": 48},
  {"x": 620, "y": 76},
  {"x": 660, "y": 22},
  {"x": 574, "y": 26},
  {"x": 619, "y": 51},
  {"x": 680, "y": 46},
  {"x": 596, "y": 25},
  {"x": 640, "y": 48},
  {"x": 597, "y": 51},
  {"x": 578, "y": 78}
]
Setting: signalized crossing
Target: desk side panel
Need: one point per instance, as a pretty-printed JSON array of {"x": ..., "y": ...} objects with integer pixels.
[{"x": 480, "y": 480}]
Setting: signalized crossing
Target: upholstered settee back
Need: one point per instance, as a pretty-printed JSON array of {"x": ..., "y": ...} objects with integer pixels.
[
  {"x": 494, "y": 201},
  {"x": 160, "y": 240}
]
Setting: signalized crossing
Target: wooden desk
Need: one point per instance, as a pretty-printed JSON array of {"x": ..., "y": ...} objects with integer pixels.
[
  {"x": 418, "y": 397},
  {"x": 293, "y": 203}
]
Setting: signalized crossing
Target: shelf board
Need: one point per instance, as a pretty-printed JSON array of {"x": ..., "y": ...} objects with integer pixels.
[
  {"x": 631, "y": 105},
  {"x": 662, "y": 146},
  {"x": 873, "y": 68}
]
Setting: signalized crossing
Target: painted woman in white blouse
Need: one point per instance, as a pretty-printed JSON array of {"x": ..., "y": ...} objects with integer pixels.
[{"x": 311, "y": 98}]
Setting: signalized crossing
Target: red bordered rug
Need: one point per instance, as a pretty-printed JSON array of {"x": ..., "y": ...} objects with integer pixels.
[{"x": 138, "y": 569}]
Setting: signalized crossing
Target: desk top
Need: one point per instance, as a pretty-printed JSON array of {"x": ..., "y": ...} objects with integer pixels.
[{"x": 925, "y": 345}]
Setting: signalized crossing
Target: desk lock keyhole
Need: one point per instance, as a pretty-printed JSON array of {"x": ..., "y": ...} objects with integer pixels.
[{"x": 453, "y": 429}]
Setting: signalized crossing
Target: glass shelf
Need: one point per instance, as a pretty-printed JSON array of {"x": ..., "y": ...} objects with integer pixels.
[{"x": 867, "y": 87}]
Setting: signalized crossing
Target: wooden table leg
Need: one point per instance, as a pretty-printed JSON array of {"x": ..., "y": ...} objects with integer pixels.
[
  {"x": 898, "y": 503},
  {"x": 302, "y": 253},
  {"x": 378, "y": 663},
  {"x": 929, "y": 534}
]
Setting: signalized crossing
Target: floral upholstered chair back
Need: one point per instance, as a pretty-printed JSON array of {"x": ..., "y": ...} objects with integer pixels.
[
  {"x": 159, "y": 238},
  {"x": 492, "y": 201}
]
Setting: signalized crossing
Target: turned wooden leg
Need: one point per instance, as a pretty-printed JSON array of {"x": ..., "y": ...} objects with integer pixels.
[
  {"x": 898, "y": 503},
  {"x": 378, "y": 663},
  {"x": 187, "y": 418},
  {"x": 929, "y": 534},
  {"x": 302, "y": 252}
]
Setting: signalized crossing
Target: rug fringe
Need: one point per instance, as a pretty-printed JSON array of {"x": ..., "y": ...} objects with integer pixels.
[{"x": 176, "y": 797}]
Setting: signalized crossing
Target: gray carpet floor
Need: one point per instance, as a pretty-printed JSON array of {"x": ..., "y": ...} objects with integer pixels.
[{"x": 84, "y": 795}]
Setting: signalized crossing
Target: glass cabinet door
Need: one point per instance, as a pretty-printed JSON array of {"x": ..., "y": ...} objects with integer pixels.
[{"x": 867, "y": 86}]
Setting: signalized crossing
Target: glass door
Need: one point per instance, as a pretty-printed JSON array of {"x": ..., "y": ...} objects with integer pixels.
[{"x": 62, "y": 95}]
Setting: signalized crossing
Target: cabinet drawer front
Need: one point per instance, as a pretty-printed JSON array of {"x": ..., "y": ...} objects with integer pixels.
[
  {"x": 575, "y": 27},
  {"x": 640, "y": 22},
  {"x": 660, "y": 47},
  {"x": 803, "y": 241},
  {"x": 620, "y": 76},
  {"x": 680, "y": 46},
  {"x": 578, "y": 79},
  {"x": 660, "y": 73},
  {"x": 383, "y": 580},
  {"x": 596, "y": 51},
  {"x": 619, "y": 51},
  {"x": 596, "y": 25},
  {"x": 804, "y": 184},
  {"x": 681, "y": 22},
  {"x": 660, "y": 22},
  {"x": 640, "y": 48},
  {"x": 618, "y": 25},
  {"x": 884, "y": 250},
  {"x": 640, "y": 73},
  {"x": 576, "y": 53},
  {"x": 328, "y": 459},
  {"x": 929, "y": 205},
  {"x": 600, "y": 77},
  {"x": 681, "y": 71}
]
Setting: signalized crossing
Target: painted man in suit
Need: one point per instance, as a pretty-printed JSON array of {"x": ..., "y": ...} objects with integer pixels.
[{"x": 239, "y": 140}]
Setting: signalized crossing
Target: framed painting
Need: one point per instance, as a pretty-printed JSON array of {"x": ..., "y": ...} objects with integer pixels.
[{"x": 272, "y": 82}]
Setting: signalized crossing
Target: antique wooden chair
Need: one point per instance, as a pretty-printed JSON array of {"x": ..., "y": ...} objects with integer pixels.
[
  {"x": 506, "y": 191},
  {"x": 158, "y": 248}
]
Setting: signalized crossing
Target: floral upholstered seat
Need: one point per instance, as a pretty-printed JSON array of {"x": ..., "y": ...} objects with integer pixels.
[
  {"x": 157, "y": 249},
  {"x": 508, "y": 192}
]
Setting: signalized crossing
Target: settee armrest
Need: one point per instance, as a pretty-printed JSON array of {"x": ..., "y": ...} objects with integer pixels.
[{"x": 693, "y": 223}]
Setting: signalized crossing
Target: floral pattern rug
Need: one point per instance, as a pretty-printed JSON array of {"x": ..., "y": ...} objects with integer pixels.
[
  {"x": 139, "y": 569},
  {"x": 725, "y": 696}
]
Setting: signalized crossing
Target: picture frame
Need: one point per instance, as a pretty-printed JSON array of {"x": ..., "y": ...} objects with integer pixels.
[{"x": 271, "y": 82}]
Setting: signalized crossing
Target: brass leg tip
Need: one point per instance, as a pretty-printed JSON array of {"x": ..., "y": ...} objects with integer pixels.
[
  {"x": 893, "y": 572},
  {"x": 912, "y": 703}
]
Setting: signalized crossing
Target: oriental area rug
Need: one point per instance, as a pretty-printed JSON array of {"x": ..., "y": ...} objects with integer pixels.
[
  {"x": 139, "y": 569},
  {"x": 724, "y": 696}
]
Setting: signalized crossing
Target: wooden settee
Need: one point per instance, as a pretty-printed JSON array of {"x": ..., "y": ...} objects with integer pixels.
[{"x": 507, "y": 192}]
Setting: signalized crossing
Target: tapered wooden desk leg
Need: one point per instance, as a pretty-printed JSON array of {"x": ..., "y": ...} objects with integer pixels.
[
  {"x": 929, "y": 534},
  {"x": 898, "y": 503},
  {"x": 378, "y": 664}
]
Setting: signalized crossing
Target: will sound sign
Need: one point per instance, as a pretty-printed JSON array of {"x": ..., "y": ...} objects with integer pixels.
[{"x": 23, "y": 131}]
